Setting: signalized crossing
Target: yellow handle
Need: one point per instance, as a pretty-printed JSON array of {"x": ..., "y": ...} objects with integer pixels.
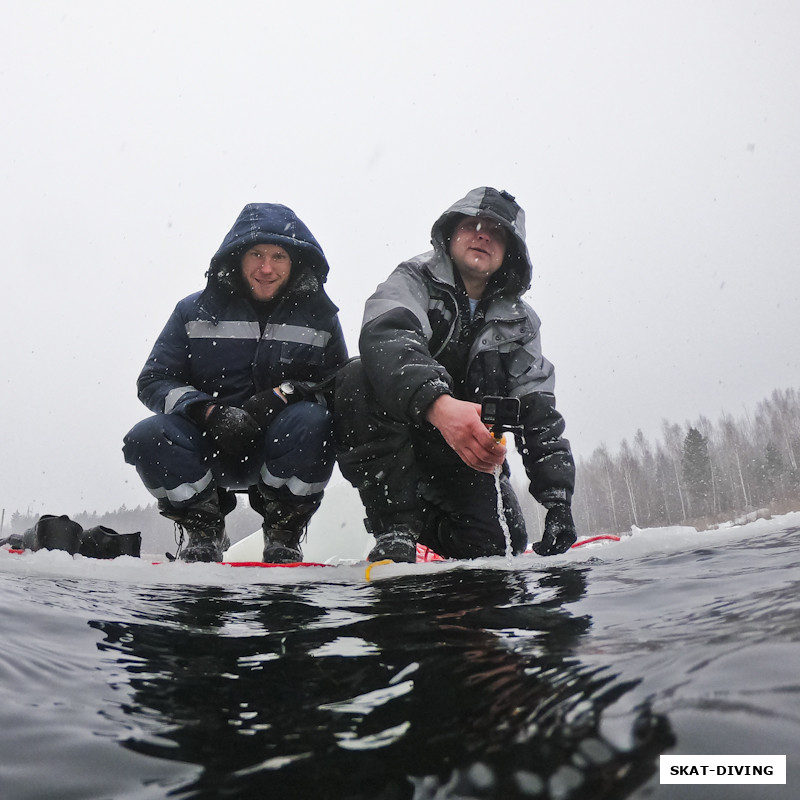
[{"x": 376, "y": 564}]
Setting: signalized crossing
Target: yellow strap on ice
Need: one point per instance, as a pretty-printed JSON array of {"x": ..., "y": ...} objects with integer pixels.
[{"x": 376, "y": 564}]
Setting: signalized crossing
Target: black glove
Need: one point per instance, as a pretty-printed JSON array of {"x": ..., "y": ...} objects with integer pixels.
[
  {"x": 264, "y": 406},
  {"x": 559, "y": 532},
  {"x": 233, "y": 432}
]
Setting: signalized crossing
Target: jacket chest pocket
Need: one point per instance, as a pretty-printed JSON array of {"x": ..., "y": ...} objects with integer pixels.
[
  {"x": 505, "y": 352},
  {"x": 300, "y": 354},
  {"x": 521, "y": 359},
  {"x": 292, "y": 351},
  {"x": 506, "y": 337}
]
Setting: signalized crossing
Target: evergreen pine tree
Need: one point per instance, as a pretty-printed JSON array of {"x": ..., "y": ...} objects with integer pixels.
[
  {"x": 696, "y": 466},
  {"x": 774, "y": 472}
]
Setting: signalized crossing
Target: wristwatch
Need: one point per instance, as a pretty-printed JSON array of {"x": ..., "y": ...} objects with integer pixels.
[{"x": 286, "y": 388}]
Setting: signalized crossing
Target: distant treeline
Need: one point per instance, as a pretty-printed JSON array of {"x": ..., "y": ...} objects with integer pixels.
[{"x": 698, "y": 473}]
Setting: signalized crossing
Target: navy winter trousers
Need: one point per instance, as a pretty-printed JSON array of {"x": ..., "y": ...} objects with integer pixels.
[{"x": 174, "y": 460}]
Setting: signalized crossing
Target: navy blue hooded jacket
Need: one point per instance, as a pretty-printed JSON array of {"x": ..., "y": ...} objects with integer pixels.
[{"x": 219, "y": 344}]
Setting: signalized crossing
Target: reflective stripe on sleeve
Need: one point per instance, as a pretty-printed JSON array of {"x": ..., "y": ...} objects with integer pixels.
[{"x": 174, "y": 397}]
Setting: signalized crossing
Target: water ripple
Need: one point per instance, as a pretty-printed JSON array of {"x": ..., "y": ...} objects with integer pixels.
[{"x": 549, "y": 679}]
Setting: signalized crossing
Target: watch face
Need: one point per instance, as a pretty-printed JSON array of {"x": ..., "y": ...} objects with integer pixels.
[{"x": 287, "y": 388}]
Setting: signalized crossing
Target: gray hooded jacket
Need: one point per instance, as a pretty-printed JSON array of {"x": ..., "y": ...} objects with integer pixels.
[{"x": 419, "y": 341}]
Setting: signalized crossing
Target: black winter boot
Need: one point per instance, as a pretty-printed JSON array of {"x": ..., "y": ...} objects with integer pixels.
[
  {"x": 204, "y": 524},
  {"x": 54, "y": 533},
  {"x": 394, "y": 542},
  {"x": 281, "y": 547},
  {"x": 286, "y": 518},
  {"x": 103, "y": 542}
]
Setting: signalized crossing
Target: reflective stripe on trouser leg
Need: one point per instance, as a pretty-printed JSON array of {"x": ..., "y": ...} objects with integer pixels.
[
  {"x": 171, "y": 457},
  {"x": 299, "y": 450}
]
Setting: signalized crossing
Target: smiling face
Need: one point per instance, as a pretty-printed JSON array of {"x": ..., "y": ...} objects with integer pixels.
[
  {"x": 477, "y": 248},
  {"x": 266, "y": 269}
]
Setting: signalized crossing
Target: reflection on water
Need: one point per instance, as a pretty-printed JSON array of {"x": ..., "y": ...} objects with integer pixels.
[
  {"x": 563, "y": 683},
  {"x": 462, "y": 684}
]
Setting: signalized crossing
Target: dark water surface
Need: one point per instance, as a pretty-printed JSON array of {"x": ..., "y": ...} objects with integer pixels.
[{"x": 544, "y": 680}]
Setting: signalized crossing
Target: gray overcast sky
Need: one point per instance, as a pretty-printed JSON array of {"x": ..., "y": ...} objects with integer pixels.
[{"x": 654, "y": 147}]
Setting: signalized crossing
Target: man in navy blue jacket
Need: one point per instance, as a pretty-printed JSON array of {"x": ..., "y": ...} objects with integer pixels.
[{"x": 233, "y": 381}]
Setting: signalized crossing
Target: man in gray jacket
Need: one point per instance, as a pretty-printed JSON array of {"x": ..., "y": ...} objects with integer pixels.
[{"x": 446, "y": 329}]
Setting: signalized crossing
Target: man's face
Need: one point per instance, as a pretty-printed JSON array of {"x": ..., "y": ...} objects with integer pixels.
[
  {"x": 478, "y": 247},
  {"x": 266, "y": 269}
]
